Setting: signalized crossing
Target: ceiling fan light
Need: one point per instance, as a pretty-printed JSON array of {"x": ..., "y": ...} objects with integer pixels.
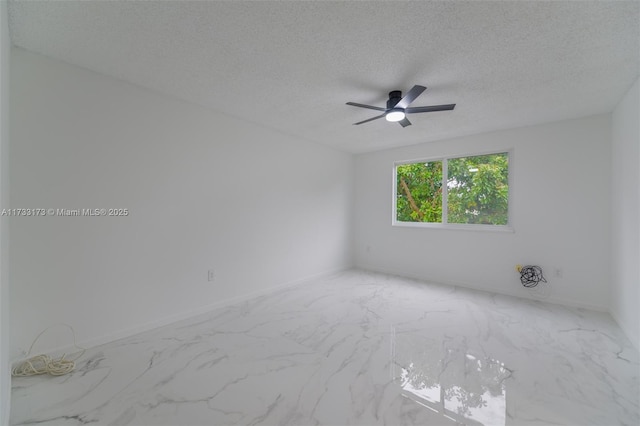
[{"x": 395, "y": 115}]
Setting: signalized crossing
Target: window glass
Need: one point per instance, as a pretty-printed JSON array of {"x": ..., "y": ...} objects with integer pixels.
[
  {"x": 419, "y": 192},
  {"x": 478, "y": 189}
]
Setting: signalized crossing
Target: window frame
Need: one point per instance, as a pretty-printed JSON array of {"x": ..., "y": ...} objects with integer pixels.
[{"x": 445, "y": 194}]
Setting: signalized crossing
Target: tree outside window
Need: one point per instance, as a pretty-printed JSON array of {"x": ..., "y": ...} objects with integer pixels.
[{"x": 476, "y": 190}]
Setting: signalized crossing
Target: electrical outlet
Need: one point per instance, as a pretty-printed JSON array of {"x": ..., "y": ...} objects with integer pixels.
[
  {"x": 211, "y": 276},
  {"x": 557, "y": 272}
]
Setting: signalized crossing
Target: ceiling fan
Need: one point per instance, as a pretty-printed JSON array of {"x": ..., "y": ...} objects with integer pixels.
[{"x": 398, "y": 107}]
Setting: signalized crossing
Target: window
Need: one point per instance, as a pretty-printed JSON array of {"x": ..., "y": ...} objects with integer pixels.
[{"x": 472, "y": 190}]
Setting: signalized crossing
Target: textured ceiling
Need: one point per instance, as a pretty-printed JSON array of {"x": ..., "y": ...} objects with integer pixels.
[{"x": 292, "y": 66}]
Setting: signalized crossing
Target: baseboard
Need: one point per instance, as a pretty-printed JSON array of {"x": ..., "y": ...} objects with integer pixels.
[
  {"x": 486, "y": 288},
  {"x": 140, "y": 328},
  {"x": 634, "y": 339}
]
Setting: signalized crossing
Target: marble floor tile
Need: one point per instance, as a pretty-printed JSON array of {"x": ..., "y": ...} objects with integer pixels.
[{"x": 356, "y": 348}]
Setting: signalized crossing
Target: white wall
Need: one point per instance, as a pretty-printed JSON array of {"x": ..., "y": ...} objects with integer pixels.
[
  {"x": 5, "y": 375},
  {"x": 204, "y": 190},
  {"x": 559, "y": 209},
  {"x": 625, "y": 299}
]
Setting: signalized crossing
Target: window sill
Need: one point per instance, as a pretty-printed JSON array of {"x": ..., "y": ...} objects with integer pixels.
[{"x": 455, "y": 226}]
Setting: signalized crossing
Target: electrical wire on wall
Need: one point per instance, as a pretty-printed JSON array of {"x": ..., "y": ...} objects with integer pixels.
[
  {"x": 45, "y": 364},
  {"x": 531, "y": 278}
]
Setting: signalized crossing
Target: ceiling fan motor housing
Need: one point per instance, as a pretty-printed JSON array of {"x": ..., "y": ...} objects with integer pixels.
[{"x": 394, "y": 98}]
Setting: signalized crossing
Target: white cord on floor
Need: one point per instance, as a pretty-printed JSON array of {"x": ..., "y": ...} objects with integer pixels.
[{"x": 44, "y": 364}]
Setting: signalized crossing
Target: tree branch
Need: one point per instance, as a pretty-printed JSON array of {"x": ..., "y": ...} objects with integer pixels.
[{"x": 412, "y": 202}]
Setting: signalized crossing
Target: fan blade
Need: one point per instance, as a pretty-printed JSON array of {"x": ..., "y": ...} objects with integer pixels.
[
  {"x": 432, "y": 108},
  {"x": 366, "y": 106},
  {"x": 404, "y": 122},
  {"x": 410, "y": 96},
  {"x": 371, "y": 119}
]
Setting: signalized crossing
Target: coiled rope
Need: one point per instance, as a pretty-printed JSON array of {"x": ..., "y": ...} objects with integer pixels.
[{"x": 45, "y": 364}]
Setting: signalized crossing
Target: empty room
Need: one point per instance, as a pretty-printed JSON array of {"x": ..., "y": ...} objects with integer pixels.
[{"x": 319, "y": 212}]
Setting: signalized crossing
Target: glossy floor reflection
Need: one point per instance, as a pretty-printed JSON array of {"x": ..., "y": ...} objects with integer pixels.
[{"x": 355, "y": 348}]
